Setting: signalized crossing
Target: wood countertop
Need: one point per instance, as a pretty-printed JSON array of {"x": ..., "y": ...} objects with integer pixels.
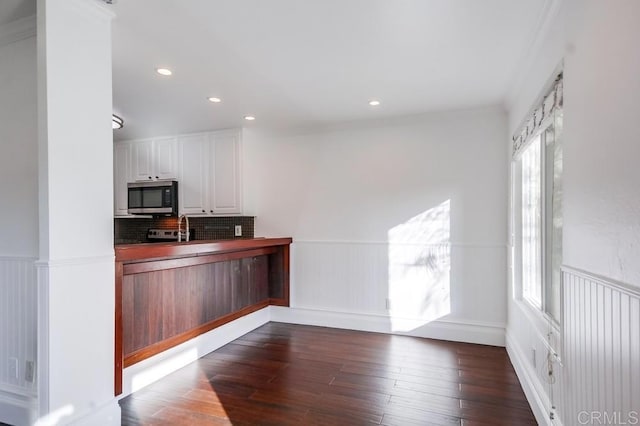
[{"x": 131, "y": 253}]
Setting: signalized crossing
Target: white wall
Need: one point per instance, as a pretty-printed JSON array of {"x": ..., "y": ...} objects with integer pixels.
[
  {"x": 601, "y": 197},
  {"x": 76, "y": 266},
  {"x": 18, "y": 218},
  {"x": 602, "y": 149},
  {"x": 19, "y": 159},
  {"x": 372, "y": 205}
]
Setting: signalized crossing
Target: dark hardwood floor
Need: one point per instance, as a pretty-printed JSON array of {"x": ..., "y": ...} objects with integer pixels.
[{"x": 283, "y": 374}]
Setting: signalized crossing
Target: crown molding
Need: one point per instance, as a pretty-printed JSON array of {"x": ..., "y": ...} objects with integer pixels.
[{"x": 17, "y": 30}]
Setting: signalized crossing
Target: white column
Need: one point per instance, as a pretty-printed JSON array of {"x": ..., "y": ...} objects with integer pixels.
[{"x": 76, "y": 265}]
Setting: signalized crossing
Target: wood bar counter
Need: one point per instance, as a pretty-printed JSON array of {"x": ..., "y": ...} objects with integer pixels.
[{"x": 168, "y": 293}]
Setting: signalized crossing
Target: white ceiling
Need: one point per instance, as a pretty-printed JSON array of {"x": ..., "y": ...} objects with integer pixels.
[{"x": 310, "y": 62}]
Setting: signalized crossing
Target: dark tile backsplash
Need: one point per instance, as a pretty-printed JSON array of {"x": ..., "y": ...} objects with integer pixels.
[{"x": 134, "y": 230}]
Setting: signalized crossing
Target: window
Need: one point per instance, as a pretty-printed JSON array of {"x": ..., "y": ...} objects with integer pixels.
[
  {"x": 537, "y": 207},
  {"x": 553, "y": 215},
  {"x": 532, "y": 223}
]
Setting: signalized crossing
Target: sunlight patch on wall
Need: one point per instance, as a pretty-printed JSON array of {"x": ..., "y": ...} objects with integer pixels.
[{"x": 419, "y": 268}]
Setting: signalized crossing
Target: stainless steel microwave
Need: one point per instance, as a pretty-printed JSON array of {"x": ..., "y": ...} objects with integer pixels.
[{"x": 158, "y": 198}]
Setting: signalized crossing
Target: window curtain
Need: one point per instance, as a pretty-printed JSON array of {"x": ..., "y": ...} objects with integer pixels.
[{"x": 550, "y": 103}]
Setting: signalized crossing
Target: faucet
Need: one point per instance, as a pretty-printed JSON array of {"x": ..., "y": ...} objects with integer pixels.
[{"x": 186, "y": 231}]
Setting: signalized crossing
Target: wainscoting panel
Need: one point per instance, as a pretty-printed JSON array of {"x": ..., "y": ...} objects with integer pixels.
[
  {"x": 18, "y": 323},
  {"x": 407, "y": 284},
  {"x": 337, "y": 276},
  {"x": 18, "y": 339},
  {"x": 601, "y": 350}
]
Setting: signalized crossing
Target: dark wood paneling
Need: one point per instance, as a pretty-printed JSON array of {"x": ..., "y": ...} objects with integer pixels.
[
  {"x": 279, "y": 277},
  {"x": 262, "y": 277},
  {"x": 285, "y": 274},
  {"x": 275, "y": 275},
  {"x": 160, "y": 265},
  {"x": 164, "y": 301},
  {"x": 163, "y": 345},
  {"x": 162, "y": 304}
]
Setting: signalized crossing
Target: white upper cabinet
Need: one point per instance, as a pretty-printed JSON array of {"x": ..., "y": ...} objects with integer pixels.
[
  {"x": 209, "y": 181},
  {"x": 224, "y": 177},
  {"x": 165, "y": 158},
  {"x": 141, "y": 159},
  {"x": 121, "y": 176},
  {"x": 192, "y": 184},
  {"x": 154, "y": 159}
]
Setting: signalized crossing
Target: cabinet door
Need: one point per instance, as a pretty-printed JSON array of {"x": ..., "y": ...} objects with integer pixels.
[
  {"x": 121, "y": 176},
  {"x": 165, "y": 158},
  {"x": 225, "y": 185},
  {"x": 142, "y": 160},
  {"x": 192, "y": 185}
]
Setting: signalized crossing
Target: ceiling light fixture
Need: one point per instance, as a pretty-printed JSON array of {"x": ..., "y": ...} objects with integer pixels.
[
  {"x": 374, "y": 102},
  {"x": 215, "y": 100},
  {"x": 164, "y": 71},
  {"x": 249, "y": 117},
  {"x": 116, "y": 122}
]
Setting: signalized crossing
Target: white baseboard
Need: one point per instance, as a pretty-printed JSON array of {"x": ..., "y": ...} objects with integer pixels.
[
  {"x": 107, "y": 414},
  {"x": 468, "y": 332},
  {"x": 17, "y": 409},
  {"x": 153, "y": 369},
  {"x": 530, "y": 384}
]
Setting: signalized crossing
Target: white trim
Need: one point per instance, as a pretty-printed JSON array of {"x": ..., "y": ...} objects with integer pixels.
[
  {"x": 607, "y": 282},
  {"x": 387, "y": 243},
  {"x": 17, "y": 390},
  {"x": 108, "y": 414},
  {"x": 75, "y": 261},
  {"x": 531, "y": 386},
  {"x": 17, "y": 30},
  {"x": 444, "y": 329},
  {"x": 17, "y": 407},
  {"x": 155, "y": 368},
  {"x": 18, "y": 259}
]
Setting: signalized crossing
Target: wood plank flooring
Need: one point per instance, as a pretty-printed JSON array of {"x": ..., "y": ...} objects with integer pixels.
[{"x": 284, "y": 374}]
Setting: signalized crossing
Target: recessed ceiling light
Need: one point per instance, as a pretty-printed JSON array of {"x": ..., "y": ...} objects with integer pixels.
[
  {"x": 374, "y": 102},
  {"x": 164, "y": 71},
  {"x": 249, "y": 117},
  {"x": 215, "y": 100}
]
